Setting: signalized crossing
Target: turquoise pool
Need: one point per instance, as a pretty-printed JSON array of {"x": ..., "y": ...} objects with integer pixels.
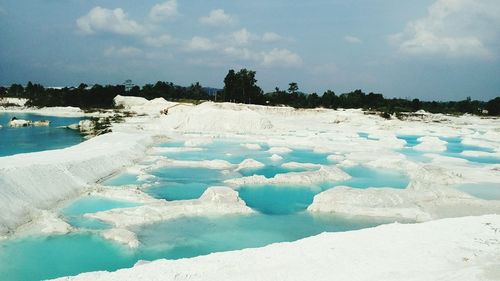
[{"x": 32, "y": 139}]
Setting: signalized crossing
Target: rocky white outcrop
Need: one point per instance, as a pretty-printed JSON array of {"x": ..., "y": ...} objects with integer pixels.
[
  {"x": 276, "y": 157},
  {"x": 214, "y": 201},
  {"x": 324, "y": 174},
  {"x": 250, "y": 164},
  {"x": 252, "y": 146},
  {"x": 19, "y": 123},
  {"x": 122, "y": 236},
  {"x": 428, "y": 196},
  {"x": 209, "y": 164},
  {"x": 430, "y": 144}
]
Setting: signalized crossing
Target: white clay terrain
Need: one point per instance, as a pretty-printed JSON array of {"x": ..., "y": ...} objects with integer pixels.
[{"x": 444, "y": 247}]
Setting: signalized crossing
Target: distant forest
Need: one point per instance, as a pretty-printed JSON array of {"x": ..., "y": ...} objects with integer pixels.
[{"x": 239, "y": 87}]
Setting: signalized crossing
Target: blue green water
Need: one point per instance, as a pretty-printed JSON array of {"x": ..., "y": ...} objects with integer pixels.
[
  {"x": 487, "y": 191},
  {"x": 279, "y": 217},
  {"x": 234, "y": 153},
  {"x": 269, "y": 171},
  {"x": 277, "y": 199},
  {"x": 455, "y": 145},
  {"x": 364, "y": 177},
  {"x": 306, "y": 156},
  {"x": 73, "y": 213},
  {"x": 32, "y": 139},
  {"x": 94, "y": 204},
  {"x": 454, "y": 148},
  {"x": 218, "y": 150},
  {"x": 411, "y": 140},
  {"x": 36, "y": 258},
  {"x": 286, "y": 199},
  {"x": 366, "y": 136},
  {"x": 122, "y": 179},
  {"x": 182, "y": 183},
  {"x": 171, "y": 190}
]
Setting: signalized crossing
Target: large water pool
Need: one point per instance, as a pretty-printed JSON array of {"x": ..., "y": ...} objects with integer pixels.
[
  {"x": 32, "y": 139},
  {"x": 36, "y": 258},
  {"x": 280, "y": 214}
]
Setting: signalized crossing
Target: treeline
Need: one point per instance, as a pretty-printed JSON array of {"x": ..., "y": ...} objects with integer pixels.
[
  {"x": 98, "y": 96},
  {"x": 240, "y": 87}
]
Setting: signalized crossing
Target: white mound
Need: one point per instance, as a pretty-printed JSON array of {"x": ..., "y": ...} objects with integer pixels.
[{"x": 214, "y": 201}]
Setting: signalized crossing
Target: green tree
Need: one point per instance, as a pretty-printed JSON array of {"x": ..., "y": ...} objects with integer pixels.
[
  {"x": 329, "y": 99},
  {"x": 242, "y": 87},
  {"x": 493, "y": 106},
  {"x": 293, "y": 88}
]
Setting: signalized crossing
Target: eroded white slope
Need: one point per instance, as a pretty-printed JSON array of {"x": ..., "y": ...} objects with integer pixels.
[
  {"x": 38, "y": 181},
  {"x": 465, "y": 249}
]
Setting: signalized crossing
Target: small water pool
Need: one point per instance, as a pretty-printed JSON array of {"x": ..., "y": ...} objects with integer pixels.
[
  {"x": 365, "y": 177},
  {"x": 171, "y": 190},
  {"x": 232, "y": 152},
  {"x": 122, "y": 179},
  {"x": 277, "y": 199},
  {"x": 32, "y": 139},
  {"x": 487, "y": 191},
  {"x": 182, "y": 183},
  {"x": 366, "y": 136},
  {"x": 455, "y": 147},
  {"x": 74, "y": 212},
  {"x": 411, "y": 140}
]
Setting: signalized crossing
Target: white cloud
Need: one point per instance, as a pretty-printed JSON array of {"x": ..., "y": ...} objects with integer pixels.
[
  {"x": 123, "y": 52},
  {"x": 241, "y": 37},
  {"x": 105, "y": 20},
  {"x": 164, "y": 11},
  {"x": 160, "y": 41},
  {"x": 453, "y": 28},
  {"x": 242, "y": 53},
  {"x": 217, "y": 17},
  {"x": 271, "y": 37},
  {"x": 280, "y": 57},
  {"x": 198, "y": 43},
  {"x": 352, "y": 39},
  {"x": 275, "y": 57}
]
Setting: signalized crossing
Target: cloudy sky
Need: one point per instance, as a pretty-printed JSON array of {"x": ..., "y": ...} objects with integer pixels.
[{"x": 427, "y": 49}]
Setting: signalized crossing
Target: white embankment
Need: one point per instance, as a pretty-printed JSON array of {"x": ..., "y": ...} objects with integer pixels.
[{"x": 33, "y": 182}]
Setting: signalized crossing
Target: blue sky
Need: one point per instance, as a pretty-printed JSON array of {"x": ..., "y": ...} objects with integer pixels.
[{"x": 440, "y": 49}]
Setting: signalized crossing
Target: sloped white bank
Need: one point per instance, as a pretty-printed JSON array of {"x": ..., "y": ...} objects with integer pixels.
[{"x": 37, "y": 181}]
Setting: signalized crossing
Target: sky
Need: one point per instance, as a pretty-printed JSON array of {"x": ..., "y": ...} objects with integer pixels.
[{"x": 426, "y": 49}]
